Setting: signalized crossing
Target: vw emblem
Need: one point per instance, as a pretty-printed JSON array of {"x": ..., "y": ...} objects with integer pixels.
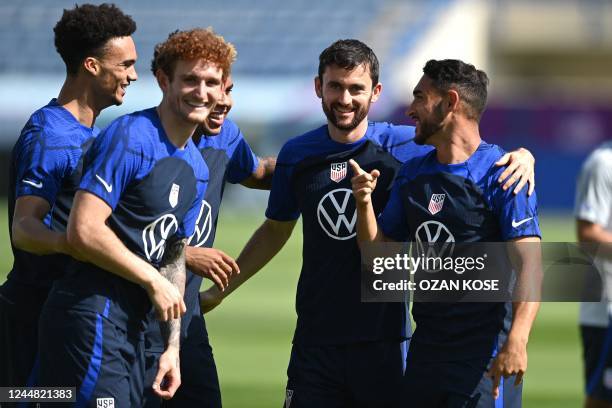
[
  {"x": 155, "y": 234},
  {"x": 203, "y": 226},
  {"x": 434, "y": 240},
  {"x": 337, "y": 215}
]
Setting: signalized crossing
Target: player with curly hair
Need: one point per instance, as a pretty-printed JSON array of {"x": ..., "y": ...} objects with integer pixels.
[
  {"x": 96, "y": 45},
  {"x": 137, "y": 204},
  {"x": 229, "y": 159}
]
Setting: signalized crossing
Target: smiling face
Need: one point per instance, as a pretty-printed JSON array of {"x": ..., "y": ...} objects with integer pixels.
[
  {"x": 426, "y": 110},
  {"x": 115, "y": 70},
  {"x": 213, "y": 124},
  {"x": 346, "y": 95},
  {"x": 193, "y": 90}
]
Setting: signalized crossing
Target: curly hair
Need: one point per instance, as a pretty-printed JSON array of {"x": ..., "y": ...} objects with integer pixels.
[
  {"x": 85, "y": 30},
  {"x": 193, "y": 44},
  {"x": 469, "y": 82},
  {"x": 349, "y": 54}
]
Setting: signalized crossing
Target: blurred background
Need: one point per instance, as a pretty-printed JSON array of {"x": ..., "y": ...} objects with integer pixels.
[{"x": 550, "y": 65}]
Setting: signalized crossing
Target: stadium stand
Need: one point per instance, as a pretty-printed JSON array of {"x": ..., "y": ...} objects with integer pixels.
[{"x": 267, "y": 32}]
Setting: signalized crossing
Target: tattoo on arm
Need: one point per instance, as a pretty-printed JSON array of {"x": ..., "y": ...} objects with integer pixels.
[{"x": 173, "y": 268}]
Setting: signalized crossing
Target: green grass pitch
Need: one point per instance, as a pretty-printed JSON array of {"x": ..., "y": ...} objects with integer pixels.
[{"x": 251, "y": 331}]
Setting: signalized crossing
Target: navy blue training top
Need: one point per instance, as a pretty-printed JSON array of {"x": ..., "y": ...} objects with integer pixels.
[
  {"x": 465, "y": 203},
  {"x": 155, "y": 192},
  {"x": 46, "y": 162},
  {"x": 229, "y": 158},
  {"x": 312, "y": 179}
]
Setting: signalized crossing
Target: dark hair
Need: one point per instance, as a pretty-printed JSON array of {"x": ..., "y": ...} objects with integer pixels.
[
  {"x": 349, "y": 54},
  {"x": 84, "y": 31},
  {"x": 193, "y": 44},
  {"x": 469, "y": 82}
]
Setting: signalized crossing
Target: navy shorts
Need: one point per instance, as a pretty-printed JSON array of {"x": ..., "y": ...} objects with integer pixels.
[
  {"x": 20, "y": 307},
  {"x": 199, "y": 380},
  {"x": 597, "y": 354},
  {"x": 84, "y": 349},
  {"x": 456, "y": 384},
  {"x": 354, "y": 375}
]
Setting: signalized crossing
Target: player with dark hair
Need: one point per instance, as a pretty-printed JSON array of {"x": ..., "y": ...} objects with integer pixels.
[
  {"x": 229, "y": 159},
  {"x": 138, "y": 202},
  {"x": 345, "y": 353},
  {"x": 45, "y": 170},
  {"x": 454, "y": 343}
]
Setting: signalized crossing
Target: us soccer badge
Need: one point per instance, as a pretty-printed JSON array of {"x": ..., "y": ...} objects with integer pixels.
[
  {"x": 337, "y": 172},
  {"x": 174, "y": 193},
  {"x": 436, "y": 203}
]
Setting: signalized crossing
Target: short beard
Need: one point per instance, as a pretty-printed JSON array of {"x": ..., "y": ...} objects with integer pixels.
[
  {"x": 359, "y": 116},
  {"x": 430, "y": 128}
]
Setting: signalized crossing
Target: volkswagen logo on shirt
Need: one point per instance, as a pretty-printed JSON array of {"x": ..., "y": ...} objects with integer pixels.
[
  {"x": 337, "y": 215},
  {"x": 203, "y": 226},
  {"x": 434, "y": 240},
  {"x": 155, "y": 234}
]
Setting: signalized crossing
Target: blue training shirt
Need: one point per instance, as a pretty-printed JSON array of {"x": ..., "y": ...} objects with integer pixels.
[
  {"x": 229, "y": 158},
  {"x": 312, "y": 179},
  {"x": 46, "y": 162},
  {"x": 155, "y": 191},
  {"x": 474, "y": 208}
]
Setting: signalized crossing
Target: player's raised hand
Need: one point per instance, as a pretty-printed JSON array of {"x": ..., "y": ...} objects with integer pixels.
[
  {"x": 511, "y": 360},
  {"x": 521, "y": 167},
  {"x": 209, "y": 299},
  {"x": 166, "y": 299},
  {"x": 363, "y": 183},
  {"x": 168, "y": 377},
  {"x": 213, "y": 264}
]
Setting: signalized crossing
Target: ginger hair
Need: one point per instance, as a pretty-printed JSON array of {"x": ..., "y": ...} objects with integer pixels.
[{"x": 199, "y": 43}]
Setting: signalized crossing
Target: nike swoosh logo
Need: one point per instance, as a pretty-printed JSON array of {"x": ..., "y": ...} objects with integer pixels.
[
  {"x": 33, "y": 183},
  {"x": 108, "y": 187},
  {"x": 521, "y": 222}
]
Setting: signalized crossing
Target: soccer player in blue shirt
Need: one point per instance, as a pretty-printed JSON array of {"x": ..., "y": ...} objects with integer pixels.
[
  {"x": 95, "y": 44},
  {"x": 229, "y": 159},
  {"x": 345, "y": 352},
  {"x": 139, "y": 198},
  {"x": 454, "y": 343}
]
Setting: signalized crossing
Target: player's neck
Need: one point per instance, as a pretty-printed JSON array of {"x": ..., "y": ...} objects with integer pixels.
[
  {"x": 177, "y": 129},
  {"x": 348, "y": 136},
  {"x": 457, "y": 144},
  {"x": 77, "y": 98}
]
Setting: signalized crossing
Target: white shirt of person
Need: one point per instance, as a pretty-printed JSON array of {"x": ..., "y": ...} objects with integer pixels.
[{"x": 594, "y": 204}]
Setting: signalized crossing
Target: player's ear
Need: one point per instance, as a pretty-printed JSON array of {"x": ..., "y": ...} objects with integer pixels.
[
  {"x": 162, "y": 80},
  {"x": 376, "y": 92},
  {"x": 453, "y": 100},
  {"x": 91, "y": 65},
  {"x": 317, "y": 84}
]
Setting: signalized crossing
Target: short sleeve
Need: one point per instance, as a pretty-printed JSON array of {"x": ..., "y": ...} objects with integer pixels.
[
  {"x": 282, "y": 202},
  {"x": 243, "y": 162},
  {"x": 517, "y": 213},
  {"x": 393, "y": 220},
  {"x": 114, "y": 160},
  {"x": 594, "y": 191},
  {"x": 39, "y": 169}
]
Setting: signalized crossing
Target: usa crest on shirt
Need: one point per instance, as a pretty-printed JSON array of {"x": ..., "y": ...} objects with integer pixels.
[
  {"x": 337, "y": 171},
  {"x": 435, "y": 203},
  {"x": 174, "y": 193}
]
